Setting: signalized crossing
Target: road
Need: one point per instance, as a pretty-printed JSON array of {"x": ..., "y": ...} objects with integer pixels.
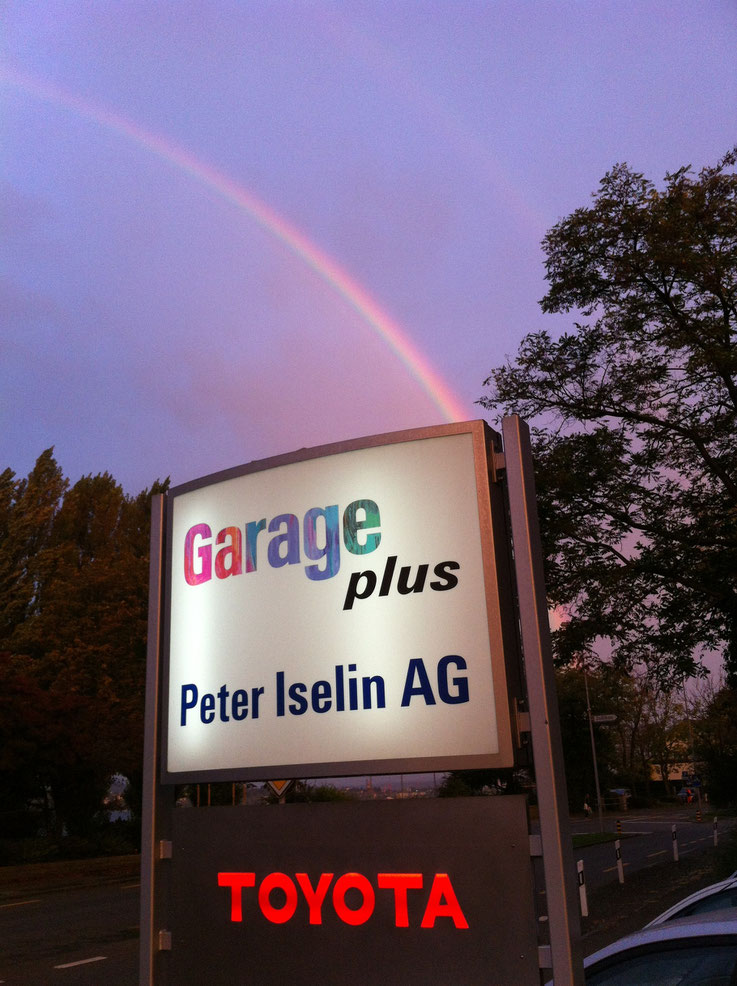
[
  {"x": 646, "y": 841},
  {"x": 89, "y": 937},
  {"x": 82, "y": 937}
]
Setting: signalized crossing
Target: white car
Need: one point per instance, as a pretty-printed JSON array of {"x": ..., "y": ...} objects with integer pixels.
[
  {"x": 716, "y": 897},
  {"x": 681, "y": 952}
]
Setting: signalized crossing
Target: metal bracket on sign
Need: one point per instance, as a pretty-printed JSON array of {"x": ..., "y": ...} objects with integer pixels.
[{"x": 544, "y": 957}]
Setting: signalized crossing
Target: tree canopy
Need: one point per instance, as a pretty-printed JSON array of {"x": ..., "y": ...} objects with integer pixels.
[
  {"x": 633, "y": 412},
  {"x": 73, "y": 620}
]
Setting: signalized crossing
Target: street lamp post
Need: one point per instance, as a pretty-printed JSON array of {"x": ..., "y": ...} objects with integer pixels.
[
  {"x": 693, "y": 751},
  {"x": 593, "y": 751}
]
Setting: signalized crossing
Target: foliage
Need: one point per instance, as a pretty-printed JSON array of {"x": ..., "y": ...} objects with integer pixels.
[
  {"x": 576, "y": 738},
  {"x": 665, "y": 734},
  {"x": 301, "y": 792},
  {"x": 715, "y": 735},
  {"x": 651, "y": 729},
  {"x": 635, "y": 415},
  {"x": 471, "y": 783},
  {"x": 73, "y": 618}
]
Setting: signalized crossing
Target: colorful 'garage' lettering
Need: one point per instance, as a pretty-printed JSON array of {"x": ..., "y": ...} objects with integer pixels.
[{"x": 320, "y": 542}]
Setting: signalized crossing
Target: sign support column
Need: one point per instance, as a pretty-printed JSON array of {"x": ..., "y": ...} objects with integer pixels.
[
  {"x": 547, "y": 749},
  {"x": 157, "y": 798}
]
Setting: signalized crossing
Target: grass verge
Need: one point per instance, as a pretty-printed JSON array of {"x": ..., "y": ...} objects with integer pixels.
[
  {"x": 40, "y": 878},
  {"x": 583, "y": 839}
]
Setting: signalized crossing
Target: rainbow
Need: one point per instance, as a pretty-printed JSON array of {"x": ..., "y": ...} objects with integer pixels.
[{"x": 448, "y": 403}]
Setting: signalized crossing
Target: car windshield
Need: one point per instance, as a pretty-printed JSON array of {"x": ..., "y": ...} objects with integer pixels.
[
  {"x": 715, "y": 902},
  {"x": 700, "y": 964}
]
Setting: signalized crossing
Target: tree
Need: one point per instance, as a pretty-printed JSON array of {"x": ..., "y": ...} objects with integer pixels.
[
  {"x": 576, "y": 736},
  {"x": 73, "y": 619},
  {"x": 27, "y": 511},
  {"x": 634, "y": 415},
  {"x": 715, "y": 733},
  {"x": 664, "y": 734}
]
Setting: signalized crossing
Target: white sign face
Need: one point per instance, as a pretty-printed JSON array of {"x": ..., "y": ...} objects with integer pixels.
[{"x": 329, "y": 616}]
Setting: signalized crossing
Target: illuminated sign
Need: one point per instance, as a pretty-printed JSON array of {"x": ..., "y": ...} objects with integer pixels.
[
  {"x": 440, "y": 903},
  {"x": 337, "y": 611},
  {"x": 419, "y": 891}
]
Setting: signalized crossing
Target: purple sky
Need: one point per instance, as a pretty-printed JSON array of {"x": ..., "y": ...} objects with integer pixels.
[{"x": 155, "y": 323}]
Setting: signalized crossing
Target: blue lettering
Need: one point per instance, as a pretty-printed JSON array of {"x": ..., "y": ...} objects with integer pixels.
[
  {"x": 460, "y": 684},
  {"x": 330, "y": 551},
  {"x": 240, "y": 704},
  {"x": 207, "y": 708},
  {"x": 423, "y": 686},
  {"x": 189, "y": 700},
  {"x": 280, "y": 693},
  {"x": 289, "y": 540},
  {"x": 298, "y": 705},
  {"x": 321, "y": 695}
]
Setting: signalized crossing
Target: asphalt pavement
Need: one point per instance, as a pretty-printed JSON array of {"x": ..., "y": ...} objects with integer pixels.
[{"x": 646, "y": 840}]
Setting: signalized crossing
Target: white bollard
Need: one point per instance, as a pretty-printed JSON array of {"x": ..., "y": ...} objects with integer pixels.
[
  {"x": 674, "y": 836},
  {"x": 620, "y": 865},
  {"x": 582, "y": 889}
]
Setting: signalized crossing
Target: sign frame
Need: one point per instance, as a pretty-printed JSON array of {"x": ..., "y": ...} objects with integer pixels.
[
  {"x": 513, "y": 576},
  {"x": 496, "y": 593}
]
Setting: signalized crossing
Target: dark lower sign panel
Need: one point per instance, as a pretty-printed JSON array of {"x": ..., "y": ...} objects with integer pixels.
[{"x": 424, "y": 892}]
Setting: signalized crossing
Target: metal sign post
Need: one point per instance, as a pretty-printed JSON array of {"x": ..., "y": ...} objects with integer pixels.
[
  {"x": 560, "y": 882},
  {"x": 158, "y": 800},
  {"x": 593, "y": 752}
]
